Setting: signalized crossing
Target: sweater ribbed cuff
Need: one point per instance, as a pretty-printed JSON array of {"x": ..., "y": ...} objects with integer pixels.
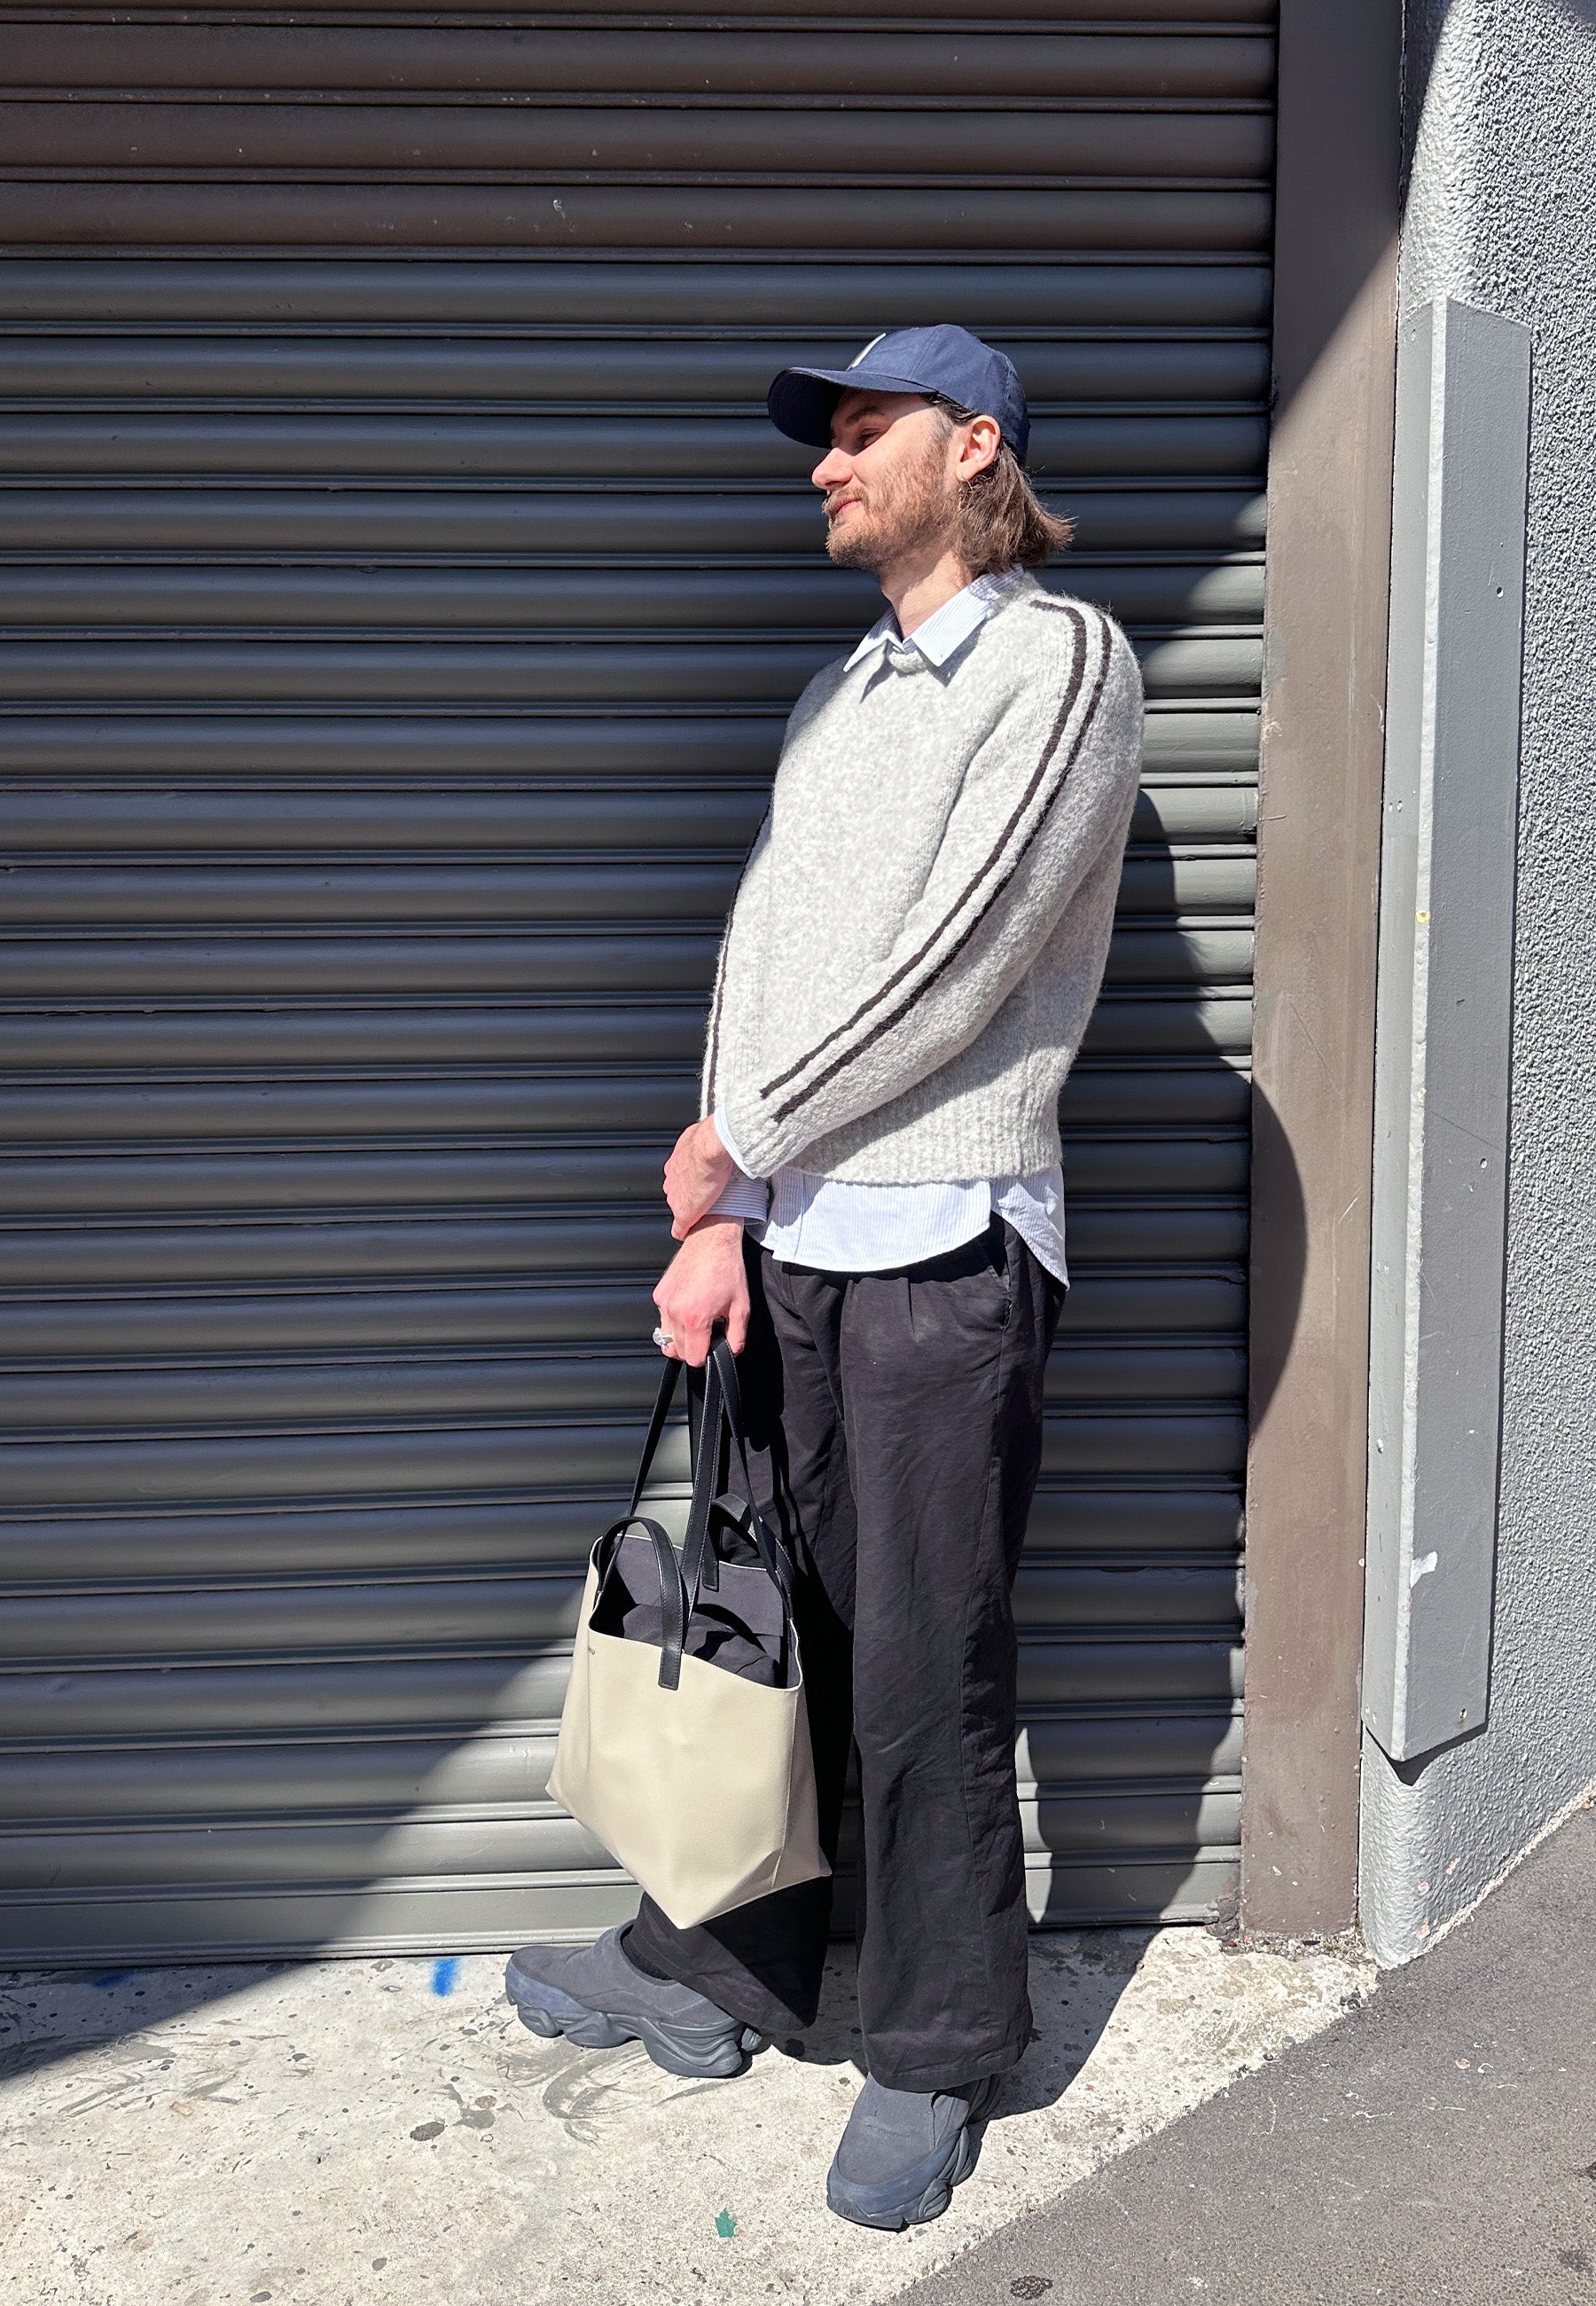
[{"x": 762, "y": 1147}]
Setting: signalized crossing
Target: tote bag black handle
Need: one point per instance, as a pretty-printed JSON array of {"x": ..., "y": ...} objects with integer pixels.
[
  {"x": 723, "y": 1399},
  {"x": 674, "y": 1604},
  {"x": 725, "y": 1362},
  {"x": 680, "y": 1583},
  {"x": 656, "y": 1427},
  {"x": 772, "y": 1553}
]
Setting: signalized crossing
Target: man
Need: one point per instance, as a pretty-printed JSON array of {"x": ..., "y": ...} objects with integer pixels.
[{"x": 908, "y": 968}]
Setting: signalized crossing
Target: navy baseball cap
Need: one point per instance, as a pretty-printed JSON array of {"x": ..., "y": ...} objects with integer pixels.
[{"x": 947, "y": 360}]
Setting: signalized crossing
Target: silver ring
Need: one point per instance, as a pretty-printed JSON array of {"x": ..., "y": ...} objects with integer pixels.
[{"x": 663, "y": 1337}]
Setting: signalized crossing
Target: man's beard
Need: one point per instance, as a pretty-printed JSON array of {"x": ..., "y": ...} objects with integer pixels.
[{"x": 910, "y": 510}]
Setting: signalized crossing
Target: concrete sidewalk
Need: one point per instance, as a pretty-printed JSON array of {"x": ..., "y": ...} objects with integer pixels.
[
  {"x": 1438, "y": 2143},
  {"x": 335, "y": 2134}
]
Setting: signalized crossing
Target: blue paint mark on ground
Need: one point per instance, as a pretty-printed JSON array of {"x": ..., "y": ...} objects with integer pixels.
[
  {"x": 445, "y": 1969},
  {"x": 111, "y": 1977}
]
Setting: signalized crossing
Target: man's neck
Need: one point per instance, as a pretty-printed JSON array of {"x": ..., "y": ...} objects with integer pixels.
[{"x": 919, "y": 584}]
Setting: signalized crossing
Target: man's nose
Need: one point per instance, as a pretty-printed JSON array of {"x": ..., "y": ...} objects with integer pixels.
[{"x": 833, "y": 469}]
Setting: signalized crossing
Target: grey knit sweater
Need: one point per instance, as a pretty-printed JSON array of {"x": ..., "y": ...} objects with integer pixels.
[{"x": 921, "y": 928}]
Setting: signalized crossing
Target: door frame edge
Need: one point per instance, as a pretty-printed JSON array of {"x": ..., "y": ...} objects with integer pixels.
[{"x": 1322, "y": 755}]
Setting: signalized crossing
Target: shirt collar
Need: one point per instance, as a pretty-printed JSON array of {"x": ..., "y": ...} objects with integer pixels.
[{"x": 947, "y": 629}]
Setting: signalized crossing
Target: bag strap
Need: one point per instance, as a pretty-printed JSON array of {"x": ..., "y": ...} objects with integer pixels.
[
  {"x": 680, "y": 1580},
  {"x": 772, "y": 1553},
  {"x": 673, "y": 1593},
  {"x": 700, "y": 1565},
  {"x": 656, "y": 1426},
  {"x": 704, "y": 1434}
]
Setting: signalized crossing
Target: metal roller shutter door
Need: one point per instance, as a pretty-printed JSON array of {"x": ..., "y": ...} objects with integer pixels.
[{"x": 403, "y": 592}]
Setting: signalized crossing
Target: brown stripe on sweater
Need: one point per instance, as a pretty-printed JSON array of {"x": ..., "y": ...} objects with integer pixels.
[
  {"x": 1073, "y": 691},
  {"x": 885, "y": 1024}
]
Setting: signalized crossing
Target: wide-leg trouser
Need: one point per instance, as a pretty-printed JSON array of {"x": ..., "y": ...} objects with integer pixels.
[{"x": 896, "y": 1420}]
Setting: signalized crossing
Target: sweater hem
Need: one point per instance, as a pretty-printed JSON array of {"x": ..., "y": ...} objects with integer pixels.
[{"x": 966, "y": 1162}]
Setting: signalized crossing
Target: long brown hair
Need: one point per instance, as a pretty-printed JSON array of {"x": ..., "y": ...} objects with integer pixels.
[{"x": 1000, "y": 521}]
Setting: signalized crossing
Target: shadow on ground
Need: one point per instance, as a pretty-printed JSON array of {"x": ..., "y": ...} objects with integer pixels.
[{"x": 1077, "y": 1977}]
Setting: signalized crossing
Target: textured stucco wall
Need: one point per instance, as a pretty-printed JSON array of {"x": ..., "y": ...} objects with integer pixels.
[{"x": 1501, "y": 214}]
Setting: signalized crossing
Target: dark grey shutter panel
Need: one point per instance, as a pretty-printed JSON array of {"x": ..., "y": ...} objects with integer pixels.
[{"x": 402, "y": 593}]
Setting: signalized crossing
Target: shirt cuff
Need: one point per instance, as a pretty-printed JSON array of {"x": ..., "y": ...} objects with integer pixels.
[
  {"x": 744, "y": 1196},
  {"x": 723, "y": 1131}
]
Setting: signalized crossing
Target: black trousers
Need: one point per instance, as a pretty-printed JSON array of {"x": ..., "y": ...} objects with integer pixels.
[{"x": 896, "y": 1420}]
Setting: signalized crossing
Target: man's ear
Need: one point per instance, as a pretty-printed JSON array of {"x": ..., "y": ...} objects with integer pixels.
[{"x": 979, "y": 442}]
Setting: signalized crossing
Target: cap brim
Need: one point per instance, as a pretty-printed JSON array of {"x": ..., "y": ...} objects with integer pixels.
[{"x": 802, "y": 401}]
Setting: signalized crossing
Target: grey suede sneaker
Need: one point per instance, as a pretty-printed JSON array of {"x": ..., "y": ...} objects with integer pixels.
[
  {"x": 904, "y": 2151},
  {"x": 593, "y": 1995}
]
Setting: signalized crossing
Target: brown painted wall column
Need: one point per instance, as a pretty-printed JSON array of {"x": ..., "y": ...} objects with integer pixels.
[{"x": 1324, "y": 692}]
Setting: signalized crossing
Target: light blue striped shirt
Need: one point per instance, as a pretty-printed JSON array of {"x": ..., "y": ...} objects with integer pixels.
[{"x": 839, "y": 1227}]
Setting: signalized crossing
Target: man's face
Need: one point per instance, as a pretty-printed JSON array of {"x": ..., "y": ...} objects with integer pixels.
[{"x": 888, "y": 485}]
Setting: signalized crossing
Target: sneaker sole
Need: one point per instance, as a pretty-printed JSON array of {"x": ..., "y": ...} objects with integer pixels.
[{"x": 692, "y": 2056}]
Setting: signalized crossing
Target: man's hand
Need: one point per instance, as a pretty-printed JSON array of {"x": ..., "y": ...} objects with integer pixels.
[
  {"x": 696, "y": 1176},
  {"x": 705, "y": 1283}
]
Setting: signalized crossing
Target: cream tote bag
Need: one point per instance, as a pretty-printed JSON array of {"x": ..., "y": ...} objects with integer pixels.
[{"x": 684, "y": 1745}]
